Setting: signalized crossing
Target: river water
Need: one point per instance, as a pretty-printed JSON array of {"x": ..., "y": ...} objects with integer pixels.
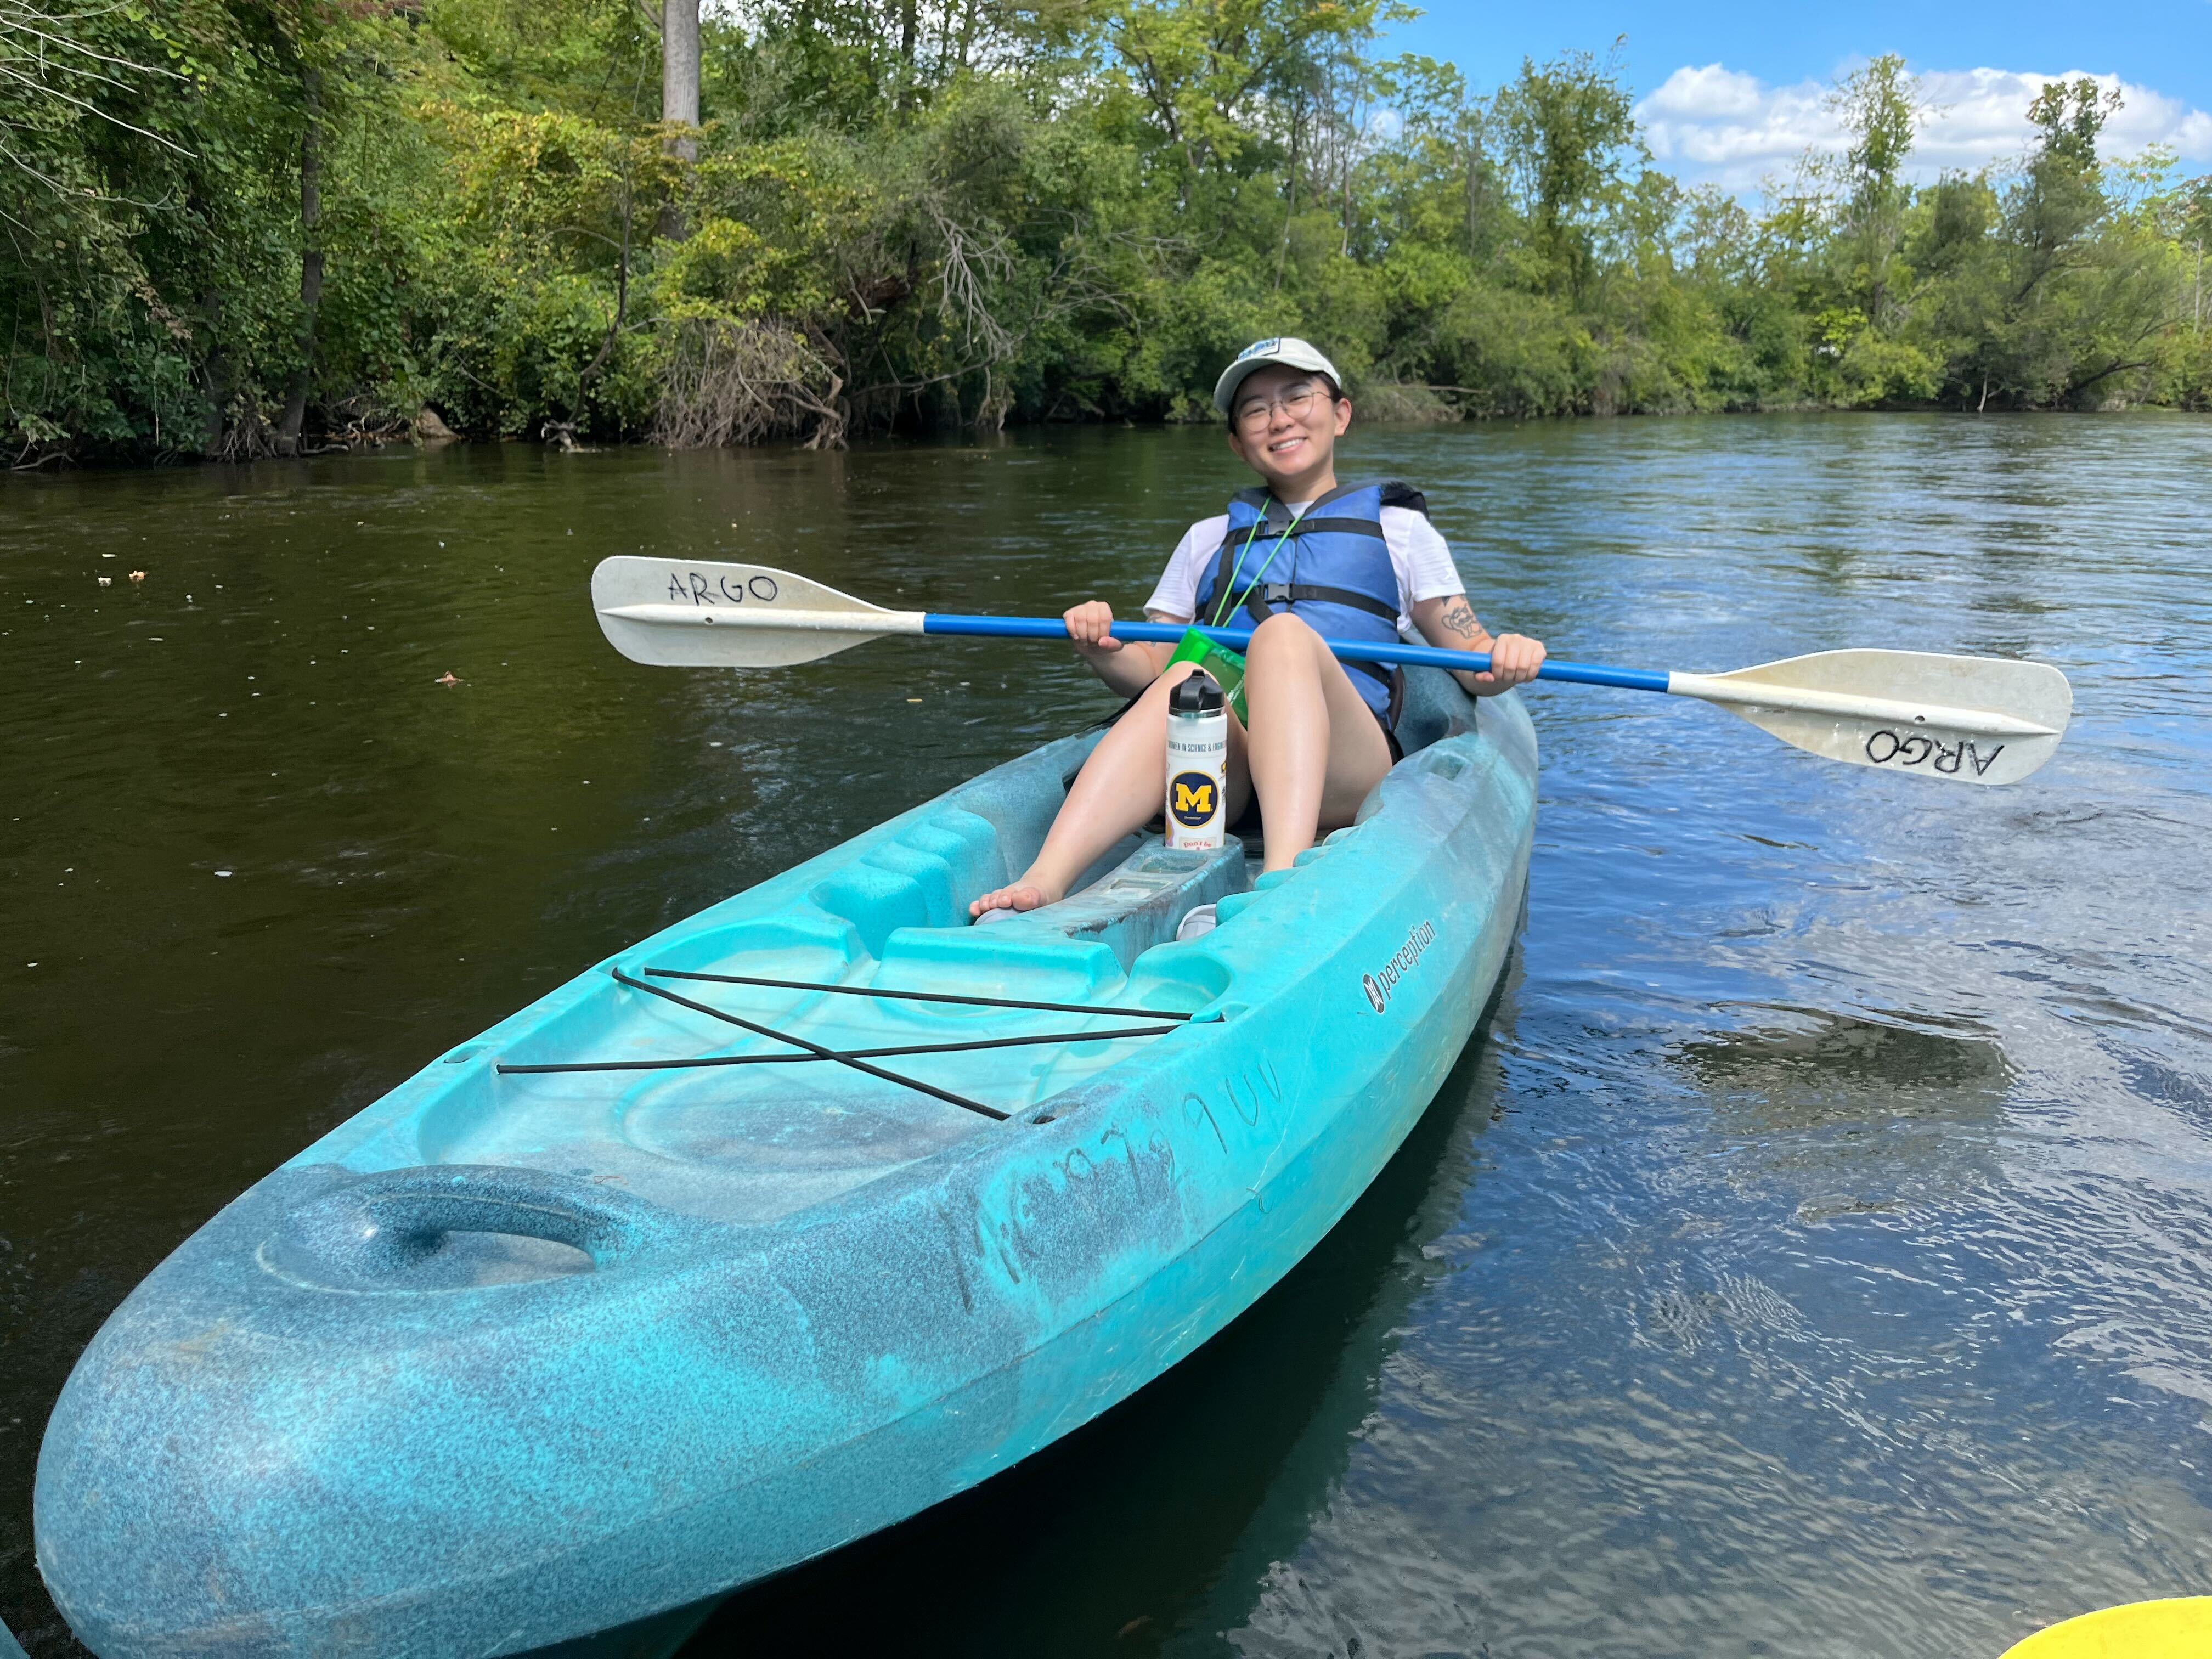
[{"x": 1812, "y": 1257}]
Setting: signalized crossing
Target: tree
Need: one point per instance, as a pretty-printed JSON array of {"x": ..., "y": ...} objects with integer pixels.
[
  {"x": 2063, "y": 195},
  {"x": 1204, "y": 71},
  {"x": 1881, "y": 107},
  {"x": 1570, "y": 127}
]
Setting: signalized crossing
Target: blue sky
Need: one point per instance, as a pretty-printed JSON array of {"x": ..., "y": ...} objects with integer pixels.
[{"x": 1731, "y": 89}]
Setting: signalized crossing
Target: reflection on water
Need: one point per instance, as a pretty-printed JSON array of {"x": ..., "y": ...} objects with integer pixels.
[
  {"x": 1820, "y": 1066},
  {"x": 1812, "y": 1258},
  {"x": 1857, "y": 1114}
]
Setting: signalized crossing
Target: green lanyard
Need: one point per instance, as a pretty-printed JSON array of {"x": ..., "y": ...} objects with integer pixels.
[{"x": 1230, "y": 598}]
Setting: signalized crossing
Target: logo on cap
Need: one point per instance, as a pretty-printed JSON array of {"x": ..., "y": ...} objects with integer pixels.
[{"x": 1259, "y": 348}]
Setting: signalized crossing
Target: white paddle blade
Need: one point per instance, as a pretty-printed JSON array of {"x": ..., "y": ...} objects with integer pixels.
[
  {"x": 688, "y": 613},
  {"x": 1967, "y": 719}
]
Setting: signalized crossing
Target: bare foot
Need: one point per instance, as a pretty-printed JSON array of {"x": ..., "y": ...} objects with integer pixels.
[{"x": 1021, "y": 896}]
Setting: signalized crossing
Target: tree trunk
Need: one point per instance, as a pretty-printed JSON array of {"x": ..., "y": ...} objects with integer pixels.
[
  {"x": 311, "y": 258},
  {"x": 679, "y": 92},
  {"x": 1477, "y": 196},
  {"x": 679, "y": 71},
  {"x": 1345, "y": 252},
  {"x": 910, "y": 39},
  {"x": 967, "y": 33},
  {"x": 217, "y": 369}
]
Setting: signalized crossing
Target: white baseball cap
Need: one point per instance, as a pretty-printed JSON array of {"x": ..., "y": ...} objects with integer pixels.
[{"x": 1282, "y": 349}]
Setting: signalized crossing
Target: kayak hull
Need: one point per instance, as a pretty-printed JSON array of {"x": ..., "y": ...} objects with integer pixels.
[{"x": 297, "y": 1437}]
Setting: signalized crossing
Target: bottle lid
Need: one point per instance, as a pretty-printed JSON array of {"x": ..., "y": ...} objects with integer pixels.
[{"x": 1198, "y": 693}]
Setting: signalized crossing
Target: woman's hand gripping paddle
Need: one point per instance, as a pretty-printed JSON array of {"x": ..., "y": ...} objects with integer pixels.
[{"x": 1969, "y": 719}]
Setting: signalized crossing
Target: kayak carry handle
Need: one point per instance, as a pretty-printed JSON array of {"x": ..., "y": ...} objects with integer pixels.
[{"x": 382, "y": 1231}]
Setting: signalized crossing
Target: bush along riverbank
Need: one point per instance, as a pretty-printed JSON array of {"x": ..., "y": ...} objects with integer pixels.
[{"x": 236, "y": 228}]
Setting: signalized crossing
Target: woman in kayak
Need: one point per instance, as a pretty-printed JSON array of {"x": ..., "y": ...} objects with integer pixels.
[{"x": 1304, "y": 559}]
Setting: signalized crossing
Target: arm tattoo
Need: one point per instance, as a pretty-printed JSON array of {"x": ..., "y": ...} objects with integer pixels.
[{"x": 1459, "y": 616}]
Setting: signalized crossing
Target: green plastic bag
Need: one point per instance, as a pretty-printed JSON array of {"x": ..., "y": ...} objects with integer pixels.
[{"x": 1219, "y": 660}]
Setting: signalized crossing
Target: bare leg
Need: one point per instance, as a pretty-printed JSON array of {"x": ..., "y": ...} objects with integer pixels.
[
  {"x": 1316, "y": 748},
  {"x": 1119, "y": 790}
]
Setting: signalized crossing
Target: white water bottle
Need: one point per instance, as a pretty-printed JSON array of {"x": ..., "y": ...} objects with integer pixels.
[{"x": 1198, "y": 764}]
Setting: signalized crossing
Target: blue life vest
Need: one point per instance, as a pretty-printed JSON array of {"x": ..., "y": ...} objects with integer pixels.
[{"x": 1334, "y": 574}]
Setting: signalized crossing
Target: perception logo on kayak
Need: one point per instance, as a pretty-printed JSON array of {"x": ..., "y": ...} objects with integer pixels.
[
  {"x": 1191, "y": 798},
  {"x": 1382, "y": 985}
]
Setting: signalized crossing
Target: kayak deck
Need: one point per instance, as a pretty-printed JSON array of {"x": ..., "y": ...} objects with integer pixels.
[{"x": 848, "y": 1064}]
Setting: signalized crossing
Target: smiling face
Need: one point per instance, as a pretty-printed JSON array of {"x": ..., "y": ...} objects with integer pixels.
[{"x": 1292, "y": 447}]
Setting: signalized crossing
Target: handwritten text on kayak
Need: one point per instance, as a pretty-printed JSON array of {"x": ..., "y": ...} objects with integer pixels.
[{"x": 1247, "y": 1093}]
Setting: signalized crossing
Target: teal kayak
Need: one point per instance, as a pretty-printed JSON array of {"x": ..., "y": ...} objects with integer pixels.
[{"x": 780, "y": 1226}]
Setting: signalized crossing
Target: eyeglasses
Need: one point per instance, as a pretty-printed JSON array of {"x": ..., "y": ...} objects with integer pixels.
[{"x": 1258, "y": 413}]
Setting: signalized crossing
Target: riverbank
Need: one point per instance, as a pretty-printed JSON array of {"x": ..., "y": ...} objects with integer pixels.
[{"x": 858, "y": 221}]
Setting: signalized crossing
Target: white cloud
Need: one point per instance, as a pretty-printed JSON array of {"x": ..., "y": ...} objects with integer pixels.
[{"x": 1720, "y": 126}]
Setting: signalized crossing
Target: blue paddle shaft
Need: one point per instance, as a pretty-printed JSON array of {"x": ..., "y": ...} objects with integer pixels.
[{"x": 1237, "y": 639}]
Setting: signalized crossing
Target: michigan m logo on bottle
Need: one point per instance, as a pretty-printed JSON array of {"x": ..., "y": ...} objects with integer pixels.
[{"x": 1195, "y": 798}]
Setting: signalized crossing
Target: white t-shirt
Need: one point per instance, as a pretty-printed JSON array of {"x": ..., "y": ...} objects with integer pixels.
[{"x": 1419, "y": 557}]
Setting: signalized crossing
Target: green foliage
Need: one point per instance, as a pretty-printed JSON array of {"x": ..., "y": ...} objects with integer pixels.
[
  {"x": 1569, "y": 128},
  {"x": 909, "y": 213},
  {"x": 1880, "y": 108}
]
